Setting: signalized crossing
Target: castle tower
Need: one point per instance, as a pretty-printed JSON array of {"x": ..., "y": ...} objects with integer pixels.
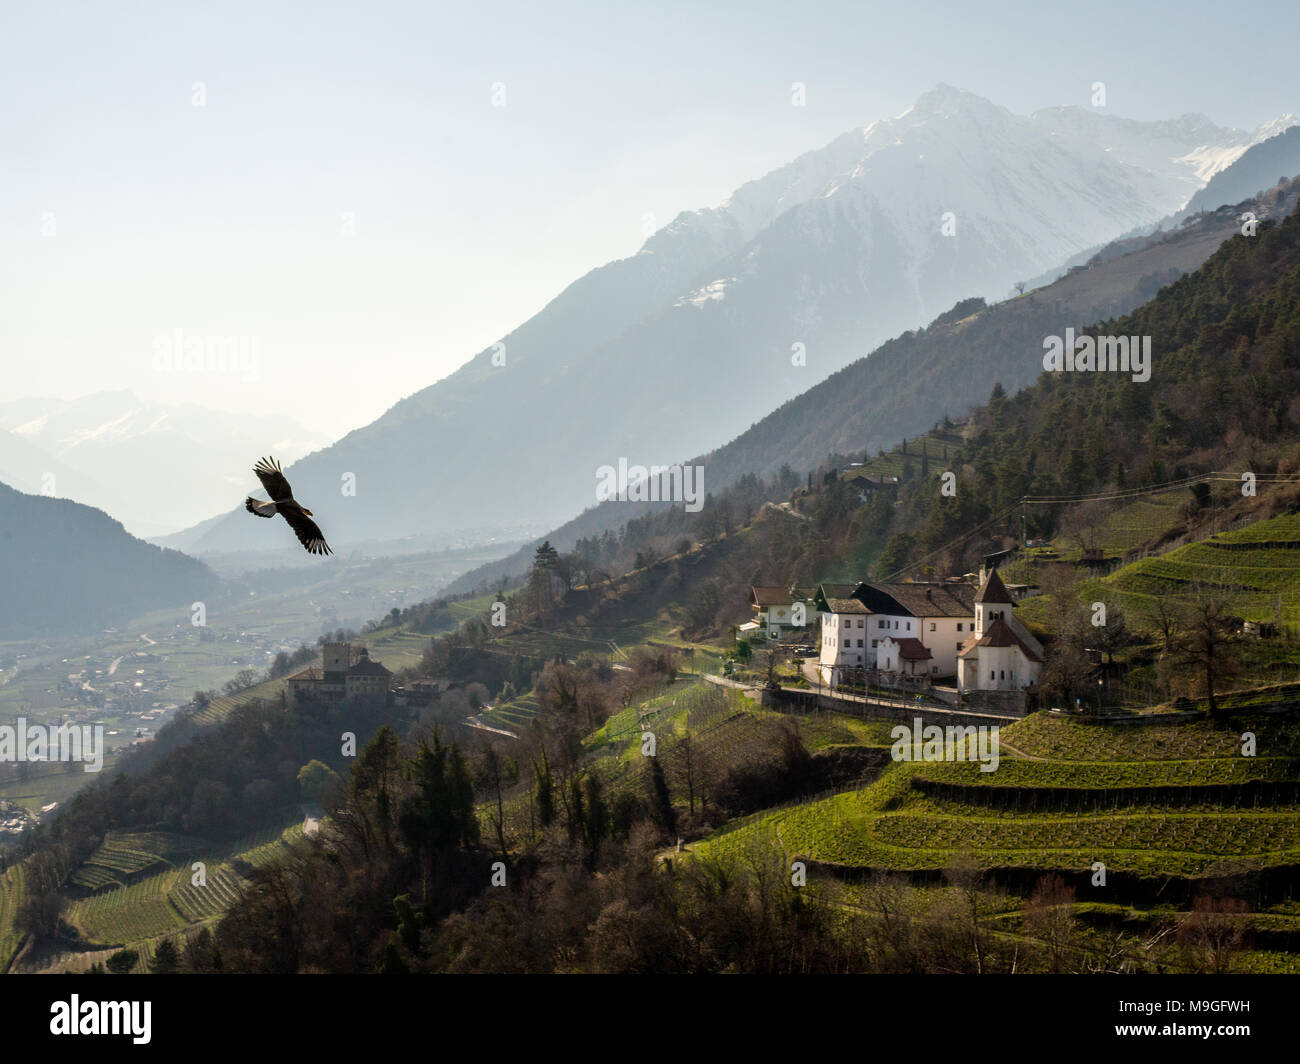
[{"x": 336, "y": 658}]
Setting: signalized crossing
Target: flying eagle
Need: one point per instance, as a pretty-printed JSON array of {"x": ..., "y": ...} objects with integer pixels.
[{"x": 283, "y": 503}]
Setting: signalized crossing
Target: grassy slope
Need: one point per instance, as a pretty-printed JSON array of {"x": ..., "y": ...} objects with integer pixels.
[{"x": 890, "y": 824}]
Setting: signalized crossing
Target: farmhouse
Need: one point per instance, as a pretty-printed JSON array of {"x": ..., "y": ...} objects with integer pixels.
[
  {"x": 945, "y": 614},
  {"x": 342, "y": 674},
  {"x": 778, "y": 610},
  {"x": 913, "y": 630}
]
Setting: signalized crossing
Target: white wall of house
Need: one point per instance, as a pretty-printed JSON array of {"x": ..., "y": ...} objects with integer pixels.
[
  {"x": 778, "y": 618},
  {"x": 891, "y": 660},
  {"x": 943, "y": 637},
  {"x": 889, "y": 626},
  {"x": 845, "y": 643},
  {"x": 887, "y": 655}
]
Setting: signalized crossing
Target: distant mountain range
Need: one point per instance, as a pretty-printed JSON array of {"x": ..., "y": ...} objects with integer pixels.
[
  {"x": 727, "y": 312},
  {"x": 67, "y": 568},
  {"x": 1259, "y": 168},
  {"x": 911, "y": 382},
  {"x": 113, "y": 450}
]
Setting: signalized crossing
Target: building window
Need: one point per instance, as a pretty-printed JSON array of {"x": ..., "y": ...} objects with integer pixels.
[
  {"x": 859, "y": 642},
  {"x": 881, "y": 623},
  {"x": 859, "y": 622},
  {"x": 874, "y": 643},
  {"x": 848, "y": 643},
  {"x": 932, "y": 626},
  {"x": 959, "y": 626},
  {"x": 1004, "y": 674},
  {"x": 909, "y": 626},
  {"x": 993, "y": 674}
]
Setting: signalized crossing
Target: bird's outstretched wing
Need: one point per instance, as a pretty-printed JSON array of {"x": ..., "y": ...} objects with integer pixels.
[
  {"x": 307, "y": 531},
  {"x": 261, "y": 509},
  {"x": 272, "y": 477}
]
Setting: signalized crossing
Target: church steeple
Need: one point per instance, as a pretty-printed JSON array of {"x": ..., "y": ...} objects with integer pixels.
[{"x": 992, "y": 602}]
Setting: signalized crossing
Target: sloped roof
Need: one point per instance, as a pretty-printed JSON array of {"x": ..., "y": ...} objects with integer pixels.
[
  {"x": 770, "y": 595},
  {"x": 845, "y": 605},
  {"x": 912, "y": 649},
  {"x": 826, "y": 592},
  {"x": 879, "y": 600},
  {"x": 307, "y": 672},
  {"x": 933, "y": 599},
  {"x": 366, "y": 667},
  {"x": 837, "y": 590},
  {"x": 994, "y": 590},
  {"x": 1001, "y": 634}
]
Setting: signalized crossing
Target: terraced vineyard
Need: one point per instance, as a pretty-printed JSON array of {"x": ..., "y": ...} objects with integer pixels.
[
  {"x": 1090, "y": 800},
  {"x": 162, "y": 898},
  {"x": 1066, "y": 739},
  {"x": 221, "y": 706},
  {"x": 1258, "y": 565},
  {"x": 128, "y": 914},
  {"x": 196, "y": 904},
  {"x": 122, "y": 858},
  {"x": 726, "y": 729},
  {"x": 267, "y": 846},
  {"x": 513, "y": 715},
  {"x": 11, "y": 897},
  {"x": 938, "y": 448}
]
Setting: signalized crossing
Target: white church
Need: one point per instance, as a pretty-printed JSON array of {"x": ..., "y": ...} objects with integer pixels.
[{"x": 1002, "y": 654}]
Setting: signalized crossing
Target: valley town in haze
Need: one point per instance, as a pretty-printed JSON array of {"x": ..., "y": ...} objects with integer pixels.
[{"x": 685, "y": 490}]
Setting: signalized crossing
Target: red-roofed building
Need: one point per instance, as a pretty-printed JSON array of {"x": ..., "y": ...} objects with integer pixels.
[{"x": 906, "y": 656}]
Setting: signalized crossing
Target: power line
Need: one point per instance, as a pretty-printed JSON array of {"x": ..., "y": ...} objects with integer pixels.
[
  {"x": 1101, "y": 496},
  {"x": 1153, "y": 489}
]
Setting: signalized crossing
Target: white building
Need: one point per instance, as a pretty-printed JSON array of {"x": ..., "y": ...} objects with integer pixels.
[
  {"x": 905, "y": 656},
  {"x": 867, "y": 625},
  {"x": 780, "y": 610},
  {"x": 843, "y": 639},
  {"x": 1002, "y": 655},
  {"x": 945, "y": 619},
  {"x": 854, "y": 625}
]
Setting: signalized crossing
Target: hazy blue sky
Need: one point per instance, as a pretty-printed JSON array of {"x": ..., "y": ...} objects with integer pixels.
[{"x": 226, "y": 219}]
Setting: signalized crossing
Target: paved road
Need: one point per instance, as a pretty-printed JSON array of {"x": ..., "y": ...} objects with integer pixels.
[
  {"x": 875, "y": 700},
  {"x": 477, "y": 722}
]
